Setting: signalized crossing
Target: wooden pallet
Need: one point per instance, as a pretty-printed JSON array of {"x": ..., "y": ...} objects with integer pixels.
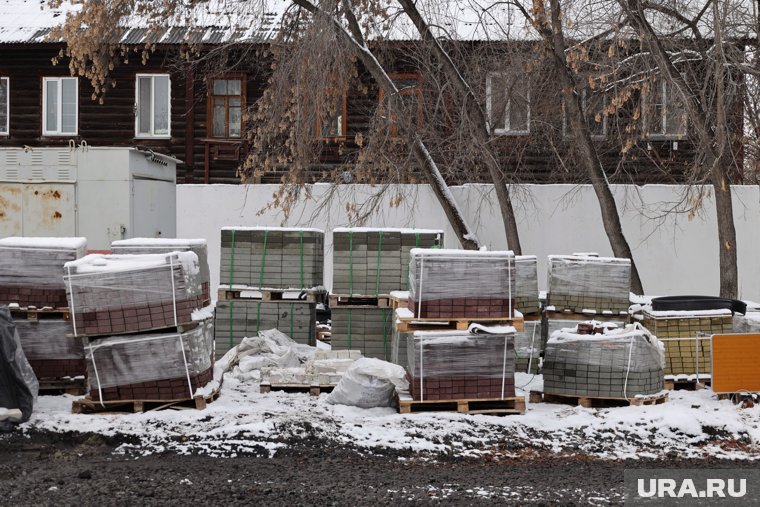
[
  {"x": 493, "y": 406},
  {"x": 411, "y": 324},
  {"x": 686, "y": 385},
  {"x": 313, "y": 390},
  {"x": 34, "y": 314},
  {"x": 88, "y": 406},
  {"x": 399, "y": 302},
  {"x": 747, "y": 400},
  {"x": 353, "y": 301},
  {"x": 287, "y": 295},
  {"x": 73, "y": 386},
  {"x": 324, "y": 335},
  {"x": 598, "y": 402}
]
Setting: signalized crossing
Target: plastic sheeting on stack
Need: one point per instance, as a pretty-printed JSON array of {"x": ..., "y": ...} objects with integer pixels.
[
  {"x": 581, "y": 282},
  {"x": 526, "y": 284},
  {"x": 50, "y": 349},
  {"x": 112, "y": 294},
  {"x": 240, "y": 318},
  {"x": 272, "y": 257},
  {"x": 156, "y": 366},
  {"x": 31, "y": 269},
  {"x": 567, "y": 321},
  {"x": 528, "y": 344},
  {"x": 461, "y": 283},
  {"x": 748, "y": 323},
  {"x": 167, "y": 245},
  {"x": 606, "y": 363},
  {"x": 18, "y": 385},
  {"x": 686, "y": 335},
  {"x": 474, "y": 364},
  {"x": 375, "y": 261},
  {"x": 369, "y": 330}
]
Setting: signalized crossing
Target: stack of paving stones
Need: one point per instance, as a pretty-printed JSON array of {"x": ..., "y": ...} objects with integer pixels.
[
  {"x": 526, "y": 285},
  {"x": 239, "y": 318},
  {"x": 528, "y": 346},
  {"x": 369, "y": 262},
  {"x": 154, "y": 366},
  {"x": 590, "y": 360},
  {"x": 584, "y": 282},
  {"x": 50, "y": 348},
  {"x": 31, "y": 270},
  {"x": 272, "y": 258},
  {"x": 398, "y": 347},
  {"x": 115, "y": 294},
  {"x": 451, "y": 284},
  {"x": 166, "y": 245},
  {"x": 686, "y": 335},
  {"x": 369, "y": 330},
  {"x": 455, "y": 365}
]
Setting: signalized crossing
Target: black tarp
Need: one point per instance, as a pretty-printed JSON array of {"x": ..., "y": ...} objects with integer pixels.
[{"x": 18, "y": 385}]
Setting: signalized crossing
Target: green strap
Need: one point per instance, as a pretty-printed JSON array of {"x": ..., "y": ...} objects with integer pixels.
[
  {"x": 385, "y": 334},
  {"x": 301, "y": 237},
  {"x": 416, "y": 245},
  {"x": 349, "y": 329},
  {"x": 231, "y": 339},
  {"x": 258, "y": 317},
  {"x": 377, "y": 274},
  {"x": 291, "y": 320},
  {"x": 232, "y": 261},
  {"x": 263, "y": 259},
  {"x": 350, "y": 273}
]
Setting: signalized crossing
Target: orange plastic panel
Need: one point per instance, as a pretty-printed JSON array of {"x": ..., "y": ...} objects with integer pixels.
[{"x": 736, "y": 363}]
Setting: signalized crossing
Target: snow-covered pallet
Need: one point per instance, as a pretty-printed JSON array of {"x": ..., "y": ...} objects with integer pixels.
[
  {"x": 231, "y": 293},
  {"x": 491, "y": 406},
  {"x": 598, "y": 402},
  {"x": 410, "y": 324},
  {"x": 313, "y": 390},
  {"x": 683, "y": 383},
  {"x": 88, "y": 406},
  {"x": 353, "y": 301},
  {"x": 72, "y": 386}
]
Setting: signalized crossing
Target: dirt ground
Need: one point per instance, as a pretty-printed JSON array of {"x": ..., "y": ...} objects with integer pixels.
[{"x": 80, "y": 469}]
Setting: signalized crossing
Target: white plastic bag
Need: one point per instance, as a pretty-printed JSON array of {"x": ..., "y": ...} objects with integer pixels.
[{"x": 369, "y": 383}]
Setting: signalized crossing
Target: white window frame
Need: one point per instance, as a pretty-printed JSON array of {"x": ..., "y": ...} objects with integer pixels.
[
  {"x": 151, "y": 135},
  {"x": 45, "y": 130},
  {"x": 7, "y": 127},
  {"x": 663, "y": 117},
  {"x": 605, "y": 126},
  {"x": 506, "y": 129}
]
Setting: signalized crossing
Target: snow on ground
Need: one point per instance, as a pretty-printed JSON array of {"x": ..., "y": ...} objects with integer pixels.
[{"x": 691, "y": 424}]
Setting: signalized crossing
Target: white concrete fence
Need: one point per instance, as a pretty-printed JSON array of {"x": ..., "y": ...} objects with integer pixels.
[{"x": 675, "y": 254}]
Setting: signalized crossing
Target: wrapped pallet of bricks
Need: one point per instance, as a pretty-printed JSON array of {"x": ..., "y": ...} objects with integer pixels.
[
  {"x": 528, "y": 344},
  {"x": 369, "y": 330},
  {"x": 150, "y": 366},
  {"x": 50, "y": 348},
  {"x": 113, "y": 294},
  {"x": 461, "y": 284},
  {"x": 272, "y": 257},
  {"x": 526, "y": 285},
  {"x": 591, "y": 360},
  {"x": 375, "y": 261},
  {"x": 31, "y": 270},
  {"x": 686, "y": 335},
  {"x": 556, "y": 321},
  {"x": 478, "y": 363},
  {"x": 584, "y": 282},
  {"x": 240, "y": 318},
  {"x": 166, "y": 245},
  {"x": 398, "y": 346}
]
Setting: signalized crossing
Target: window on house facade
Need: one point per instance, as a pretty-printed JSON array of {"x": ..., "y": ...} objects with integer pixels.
[
  {"x": 153, "y": 105},
  {"x": 594, "y": 104},
  {"x": 60, "y": 106},
  {"x": 665, "y": 114},
  {"x": 508, "y": 103},
  {"x": 410, "y": 90},
  {"x": 331, "y": 124},
  {"x": 4, "y": 106},
  {"x": 226, "y": 103}
]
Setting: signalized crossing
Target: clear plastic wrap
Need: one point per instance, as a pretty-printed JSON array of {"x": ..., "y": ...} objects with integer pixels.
[
  {"x": 447, "y": 365},
  {"x": 556, "y": 324},
  {"x": 616, "y": 363},
  {"x": 136, "y": 246},
  {"x": 526, "y": 284},
  {"x": 173, "y": 361},
  {"x": 111, "y": 294},
  {"x": 48, "y": 339},
  {"x": 579, "y": 282},
  {"x": 31, "y": 269},
  {"x": 272, "y": 257},
  {"x": 528, "y": 347},
  {"x": 748, "y": 323},
  {"x": 374, "y": 261}
]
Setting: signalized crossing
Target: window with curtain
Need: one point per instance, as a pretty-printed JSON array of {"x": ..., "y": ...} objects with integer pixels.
[{"x": 226, "y": 102}]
